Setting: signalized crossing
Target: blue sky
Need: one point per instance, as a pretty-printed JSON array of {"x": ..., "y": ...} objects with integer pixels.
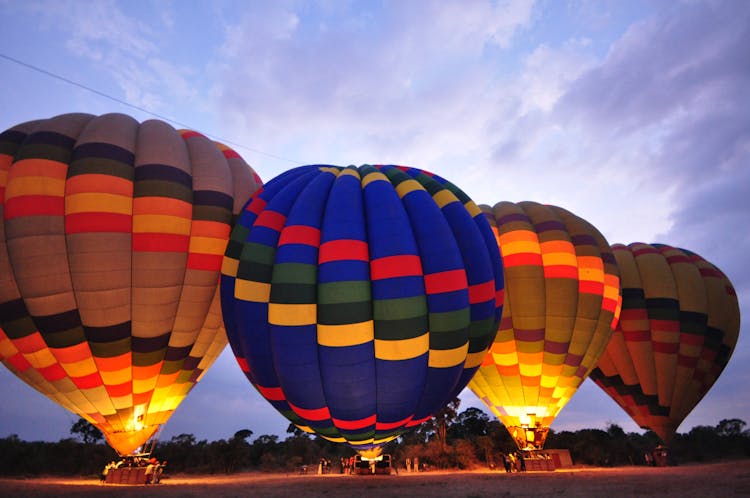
[{"x": 632, "y": 114}]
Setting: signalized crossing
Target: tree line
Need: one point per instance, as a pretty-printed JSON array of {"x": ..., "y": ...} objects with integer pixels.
[{"x": 451, "y": 440}]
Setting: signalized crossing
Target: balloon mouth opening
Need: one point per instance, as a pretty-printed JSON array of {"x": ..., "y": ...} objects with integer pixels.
[
  {"x": 371, "y": 453},
  {"x": 529, "y": 438}
]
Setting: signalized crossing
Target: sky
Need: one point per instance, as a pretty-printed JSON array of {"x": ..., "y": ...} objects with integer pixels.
[{"x": 631, "y": 114}]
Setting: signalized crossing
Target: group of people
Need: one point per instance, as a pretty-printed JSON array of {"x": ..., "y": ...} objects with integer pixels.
[
  {"x": 154, "y": 468},
  {"x": 513, "y": 462}
]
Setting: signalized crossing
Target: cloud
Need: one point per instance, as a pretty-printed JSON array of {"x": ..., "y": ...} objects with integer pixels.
[{"x": 360, "y": 80}]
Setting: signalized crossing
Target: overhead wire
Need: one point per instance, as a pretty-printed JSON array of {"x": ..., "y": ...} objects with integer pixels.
[{"x": 140, "y": 108}]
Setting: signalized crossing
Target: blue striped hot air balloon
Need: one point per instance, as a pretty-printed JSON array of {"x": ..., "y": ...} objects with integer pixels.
[{"x": 360, "y": 300}]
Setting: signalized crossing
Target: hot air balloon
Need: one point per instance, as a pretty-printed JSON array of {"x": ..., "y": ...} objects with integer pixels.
[
  {"x": 679, "y": 324},
  {"x": 360, "y": 300},
  {"x": 112, "y": 235},
  {"x": 561, "y": 298}
]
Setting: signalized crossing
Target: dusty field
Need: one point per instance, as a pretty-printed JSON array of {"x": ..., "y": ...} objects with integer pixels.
[{"x": 722, "y": 479}]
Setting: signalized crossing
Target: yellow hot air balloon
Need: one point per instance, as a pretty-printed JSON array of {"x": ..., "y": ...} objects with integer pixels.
[
  {"x": 112, "y": 234},
  {"x": 561, "y": 304},
  {"x": 679, "y": 325}
]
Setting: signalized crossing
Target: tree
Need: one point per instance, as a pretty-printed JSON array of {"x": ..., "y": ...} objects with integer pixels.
[
  {"x": 442, "y": 420},
  {"x": 730, "y": 428},
  {"x": 86, "y": 432}
]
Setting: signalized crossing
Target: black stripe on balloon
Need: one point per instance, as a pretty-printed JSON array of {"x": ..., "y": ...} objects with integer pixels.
[
  {"x": 13, "y": 310},
  {"x": 663, "y": 308},
  {"x": 174, "y": 354},
  {"x": 405, "y": 328},
  {"x": 693, "y": 323},
  {"x": 108, "y": 334},
  {"x": 609, "y": 258},
  {"x": 10, "y": 140},
  {"x": 583, "y": 240},
  {"x": 545, "y": 226},
  {"x": 449, "y": 339},
  {"x": 212, "y": 198},
  {"x": 50, "y": 138},
  {"x": 191, "y": 363},
  {"x": 633, "y": 299},
  {"x": 102, "y": 150},
  {"x": 509, "y": 218},
  {"x": 46, "y": 145},
  {"x": 289, "y": 293},
  {"x": 163, "y": 172},
  {"x": 59, "y": 322},
  {"x": 257, "y": 272},
  {"x": 343, "y": 313},
  {"x": 149, "y": 344}
]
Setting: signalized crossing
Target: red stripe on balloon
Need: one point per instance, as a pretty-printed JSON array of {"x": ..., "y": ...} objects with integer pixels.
[
  {"x": 687, "y": 361},
  {"x": 522, "y": 259},
  {"x": 666, "y": 347},
  {"x": 270, "y": 393},
  {"x": 119, "y": 390},
  {"x": 300, "y": 234},
  {"x": 589, "y": 287},
  {"x": 271, "y": 219},
  {"x": 407, "y": 265},
  {"x": 315, "y": 414},
  {"x": 481, "y": 293},
  {"x": 414, "y": 423},
  {"x": 160, "y": 242},
  {"x": 98, "y": 222},
  {"x": 636, "y": 335},
  {"x": 208, "y": 262},
  {"x": 19, "y": 362},
  {"x": 353, "y": 425},
  {"x": 561, "y": 271},
  {"x": 446, "y": 281},
  {"x": 665, "y": 325},
  {"x": 257, "y": 205},
  {"x": 87, "y": 381},
  {"x": 34, "y": 205},
  {"x": 343, "y": 250},
  {"x": 53, "y": 372},
  {"x": 242, "y": 362},
  {"x": 386, "y": 426}
]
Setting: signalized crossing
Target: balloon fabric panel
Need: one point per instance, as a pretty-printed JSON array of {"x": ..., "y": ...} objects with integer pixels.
[
  {"x": 679, "y": 324},
  {"x": 115, "y": 233},
  {"x": 562, "y": 290},
  {"x": 350, "y": 302}
]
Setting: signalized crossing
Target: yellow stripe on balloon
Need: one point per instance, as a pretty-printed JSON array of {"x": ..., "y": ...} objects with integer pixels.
[
  {"x": 94, "y": 202},
  {"x": 404, "y": 349},
  {"x": 229, "y": 266},
  {"x": 375, "y": 176},
  {"x": 444, "y": 197},
  {"x": 155, "y": 223},
  {"x": 291, "y": 314},
  {"x": 446, "y": 358},
  {"x": 348, "y": 334},
  {"x": 407, "y": 186},
  {"x": 207, "y": 245},
  {"x": 35, "y": 185}
]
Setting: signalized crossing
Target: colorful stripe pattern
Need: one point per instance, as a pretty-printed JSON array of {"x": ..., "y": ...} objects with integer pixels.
[
  {"x": 111, "y": 243},
  {"x": 679, "y": 324},
  {"x": 360, "y": 300},
  {"x": 562, "y": 292}
]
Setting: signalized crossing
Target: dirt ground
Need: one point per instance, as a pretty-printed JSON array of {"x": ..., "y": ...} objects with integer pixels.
[{"x": 720, "y": 479}]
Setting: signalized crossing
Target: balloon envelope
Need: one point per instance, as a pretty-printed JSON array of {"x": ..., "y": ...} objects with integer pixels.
[
  {"x": 679, "y": 324},
  {"x": 561, "y": 297},
  {"x": 360, "y": 300},
  {"x": 112, "y": 235}
]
